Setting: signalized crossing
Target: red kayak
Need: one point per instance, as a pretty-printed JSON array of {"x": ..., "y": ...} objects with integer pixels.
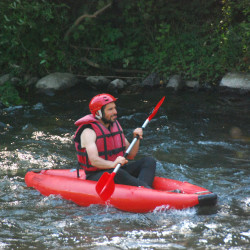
[{"x": 166, "y": 193}]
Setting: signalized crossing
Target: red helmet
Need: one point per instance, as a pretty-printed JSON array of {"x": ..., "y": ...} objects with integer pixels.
[{"x": 98, "y": 101}]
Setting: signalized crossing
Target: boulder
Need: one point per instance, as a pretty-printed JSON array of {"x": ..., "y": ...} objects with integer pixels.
[
  {"x": 236, "y": 80},
  {"x": 4, "y": 79},
  {"x": 57, "y": 81},
  {"x": 192, "y": 84},
  {"x": 97, "y": 82},
  {"x": 175, "y": 82},
  {"x": 117, "y": 84},
  {"x": 151, "y": 81}
]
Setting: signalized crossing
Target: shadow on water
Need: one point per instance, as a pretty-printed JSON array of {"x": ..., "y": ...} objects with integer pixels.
[{"x": 202, "y": 138}]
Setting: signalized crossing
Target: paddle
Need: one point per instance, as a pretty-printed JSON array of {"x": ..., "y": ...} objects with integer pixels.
[{"x": 106, "y": 186}]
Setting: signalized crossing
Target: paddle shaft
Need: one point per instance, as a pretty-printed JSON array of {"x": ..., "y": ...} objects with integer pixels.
[{"x": 131, "y": 146}]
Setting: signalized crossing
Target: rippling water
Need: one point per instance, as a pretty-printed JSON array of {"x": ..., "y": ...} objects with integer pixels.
[{"x": 202, "y": 138}]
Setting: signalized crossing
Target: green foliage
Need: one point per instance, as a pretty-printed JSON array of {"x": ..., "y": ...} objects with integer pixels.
[
  {"x": 235, "y": 34},
  {"x": 30, "y": 34},
  {"x": 9, "y": 95},
  {"x": 200, "y": 39}
]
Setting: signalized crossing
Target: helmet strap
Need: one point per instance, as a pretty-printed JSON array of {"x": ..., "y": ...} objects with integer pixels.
[{"x": 98, "y": 114}]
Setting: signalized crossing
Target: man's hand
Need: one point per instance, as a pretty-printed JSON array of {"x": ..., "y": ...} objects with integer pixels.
[
  {"x": 120, "y": 159},
  {"x": 139, "y": 132}
]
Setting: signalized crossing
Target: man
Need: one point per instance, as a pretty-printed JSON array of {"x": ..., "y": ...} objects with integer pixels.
[{"x": 100, "y": 144}]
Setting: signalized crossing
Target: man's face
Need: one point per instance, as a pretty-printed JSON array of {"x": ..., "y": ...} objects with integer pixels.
[{"x": 110, "y": 113}]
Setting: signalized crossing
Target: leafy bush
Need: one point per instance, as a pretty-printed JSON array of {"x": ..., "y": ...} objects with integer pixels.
[
  {"x": 200, "y": 39},
  {"x": 9, "y": 95},
  {"x": 30, "y": 35}
]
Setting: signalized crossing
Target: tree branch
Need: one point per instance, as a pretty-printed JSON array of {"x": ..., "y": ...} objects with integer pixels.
[
  {"x": 96, "y": 65},
  {"x": 120, "y": 77},
  {"x": 79, "y": 19}
]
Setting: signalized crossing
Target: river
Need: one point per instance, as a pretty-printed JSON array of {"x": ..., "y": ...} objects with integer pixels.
[{"x": 200, "y": 137}]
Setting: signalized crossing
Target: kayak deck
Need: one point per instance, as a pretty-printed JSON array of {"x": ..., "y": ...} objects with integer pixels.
[{"x": 167, "y": 193}]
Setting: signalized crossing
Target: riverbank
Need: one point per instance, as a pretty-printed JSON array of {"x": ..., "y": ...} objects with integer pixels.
[
  {"x": 61, "y": 81},
  {"x": 54, "y": 82}
]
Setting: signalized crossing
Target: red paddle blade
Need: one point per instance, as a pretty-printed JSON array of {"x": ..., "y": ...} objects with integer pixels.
[
  {"x": 156, "y": 108},
  {"x": 105, "y": 186}
]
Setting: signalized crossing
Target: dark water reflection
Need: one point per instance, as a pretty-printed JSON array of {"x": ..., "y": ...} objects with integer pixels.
[{"x": 200, "y": 137}]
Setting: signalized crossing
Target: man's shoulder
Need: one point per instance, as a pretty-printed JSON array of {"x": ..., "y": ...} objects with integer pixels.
[
  {"x": 87, "y": 128},
  {"x": 88, "y": 135}
]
